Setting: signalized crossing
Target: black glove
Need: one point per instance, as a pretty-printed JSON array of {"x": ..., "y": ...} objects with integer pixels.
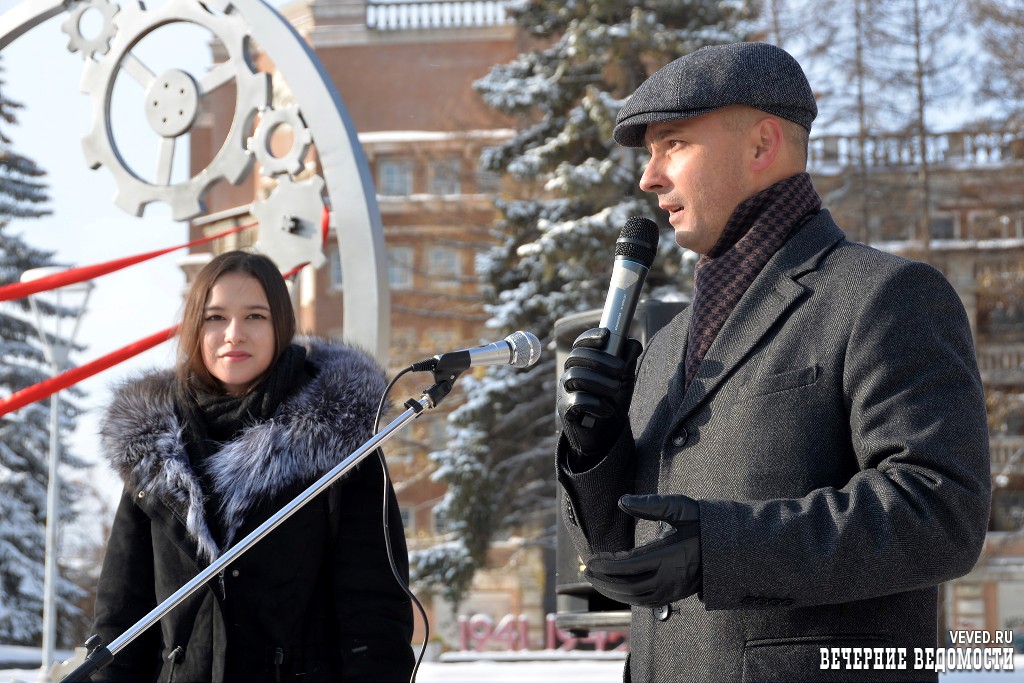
[
  {"x": 659, "y": 572},
  {"x": 594, "y": 392}
]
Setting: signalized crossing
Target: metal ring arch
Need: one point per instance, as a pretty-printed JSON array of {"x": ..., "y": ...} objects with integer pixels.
[{"x": 345, "y": 169}]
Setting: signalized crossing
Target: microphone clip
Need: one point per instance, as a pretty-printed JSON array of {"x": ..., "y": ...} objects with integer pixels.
[
  {"x": 443, "y": 383},
  {"x": 444, "y": 379}
]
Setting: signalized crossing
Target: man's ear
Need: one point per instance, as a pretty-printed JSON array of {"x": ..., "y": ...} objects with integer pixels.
[{"x": 768, "y": 140}]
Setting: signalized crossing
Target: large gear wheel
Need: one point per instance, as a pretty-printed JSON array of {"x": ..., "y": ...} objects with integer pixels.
[
  {"x": 172, "y": 102},
  {"x": 259, "y": 143},
  {"x": 290, "y": 220},
  {"x": 98, "y": 44}
]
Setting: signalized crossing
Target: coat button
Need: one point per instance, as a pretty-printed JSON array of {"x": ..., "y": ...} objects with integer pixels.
[
  {"x": 663, "y": 612},
  {"x": 142, "y": 494},
  {"x": 234, "y": 572},
  {"x": 679, "y": 440}
]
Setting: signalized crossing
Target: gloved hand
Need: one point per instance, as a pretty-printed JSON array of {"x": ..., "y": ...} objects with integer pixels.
[
  {"x": 660, "y": 572},
  {"x": 594, "y": 392}
]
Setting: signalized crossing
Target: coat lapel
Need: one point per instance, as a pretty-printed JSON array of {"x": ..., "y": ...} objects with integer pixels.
[{"x": 771, "y": 295}]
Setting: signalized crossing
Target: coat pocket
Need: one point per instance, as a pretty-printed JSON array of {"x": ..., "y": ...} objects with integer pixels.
[
  {"x": 311, "y": 664},
  {"x": 800, "y": 658},
  {"x": 782, "y": 381}
]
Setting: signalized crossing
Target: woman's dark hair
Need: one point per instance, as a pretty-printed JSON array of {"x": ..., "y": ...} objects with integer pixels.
[{"x": 190, "y": 367}]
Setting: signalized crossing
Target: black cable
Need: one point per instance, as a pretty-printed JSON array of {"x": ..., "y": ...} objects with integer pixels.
[{"x": 387, "y": 535}]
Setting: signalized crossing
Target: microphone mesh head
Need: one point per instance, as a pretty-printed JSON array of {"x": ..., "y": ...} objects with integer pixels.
[
  {"x": 638, "y": 240},
  {"x": 525, "y": 348}
]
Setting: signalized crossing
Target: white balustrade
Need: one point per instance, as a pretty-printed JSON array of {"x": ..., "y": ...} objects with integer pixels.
[{"x": 432, "y": 14}]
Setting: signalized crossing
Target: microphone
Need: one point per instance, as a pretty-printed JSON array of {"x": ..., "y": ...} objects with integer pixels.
[
  {"x": 634, "y": 253},
  {"x": 521, "y": 349}
]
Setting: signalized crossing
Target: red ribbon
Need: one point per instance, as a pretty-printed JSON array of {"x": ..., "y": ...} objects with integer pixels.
[
  {"x": 38, "y": 392},
  {"x": 19, "y": 290}
]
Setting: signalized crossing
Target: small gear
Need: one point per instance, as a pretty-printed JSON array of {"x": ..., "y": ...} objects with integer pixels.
[
  {"x": 259, "y": 143},
  {"x": 100, "y": 43},
  {"x": 175, "y": 110},
  {"x": 290, "y": 220}
]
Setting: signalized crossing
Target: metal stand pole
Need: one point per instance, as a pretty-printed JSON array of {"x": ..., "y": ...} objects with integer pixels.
[
  {"x": 52, "y": 523},
  {"x": 56, "y": 351},
  {"x": 99, "y": 656}
]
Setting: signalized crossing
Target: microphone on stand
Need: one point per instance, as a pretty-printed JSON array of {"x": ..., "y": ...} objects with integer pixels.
[{"x": 521, "y": 349}]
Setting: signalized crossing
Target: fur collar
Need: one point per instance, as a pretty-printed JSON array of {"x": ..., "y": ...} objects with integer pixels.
[{"x": 312, "y": 431}]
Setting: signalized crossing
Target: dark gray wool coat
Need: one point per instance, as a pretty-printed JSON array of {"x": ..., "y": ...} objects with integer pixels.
[
  {"x": 315, "y": 600},
  {"x": 835, "y": 437}
]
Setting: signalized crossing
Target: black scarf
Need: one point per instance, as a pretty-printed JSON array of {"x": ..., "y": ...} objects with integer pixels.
[
  {"x": 756, "y": 230},
  {"x": 209, "y": 419}
]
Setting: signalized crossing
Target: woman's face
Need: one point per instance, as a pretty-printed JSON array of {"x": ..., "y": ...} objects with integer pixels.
[{"x": 238, "y": 337}]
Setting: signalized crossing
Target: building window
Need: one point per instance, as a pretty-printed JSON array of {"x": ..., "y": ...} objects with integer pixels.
[
  {"x": 442, "y": 525},
  {"x": 400, "y": 260},
  {"x": 1007, "y": 510},
  {"x": 444, "y": 265},
  {"x": 337, "y": 279},
  {"x": 445, "y": 177},
  {"x": 394, "y": 177},
  {"x": 985, "y": 225},
  {"x": 443, "y": 340},
  {"x": 1000, "y": 303},
  {"x": 943, "y": 228},
  {"x": 437, "y": 432},
  {"x": 408, "y": 519},
  {"x": 404, "y": 339},
  {"x": 487, "y": 182}
]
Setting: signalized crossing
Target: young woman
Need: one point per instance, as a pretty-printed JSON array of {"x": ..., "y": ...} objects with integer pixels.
[{"x": 207, "y": 453}]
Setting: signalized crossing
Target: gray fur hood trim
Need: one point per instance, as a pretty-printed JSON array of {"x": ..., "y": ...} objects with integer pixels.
[{"x": 312, "y": 431}]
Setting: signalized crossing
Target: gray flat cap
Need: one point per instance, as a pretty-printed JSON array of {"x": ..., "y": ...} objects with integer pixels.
[{"x": 759, "y": 75}]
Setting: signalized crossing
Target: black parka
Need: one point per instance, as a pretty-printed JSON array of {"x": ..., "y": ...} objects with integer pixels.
[{"x": 315, "y": 600}]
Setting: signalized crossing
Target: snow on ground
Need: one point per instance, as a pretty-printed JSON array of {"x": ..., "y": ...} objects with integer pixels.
[
  {"x": 579, "y": 668},
  {"x": 468, "y": 672}
]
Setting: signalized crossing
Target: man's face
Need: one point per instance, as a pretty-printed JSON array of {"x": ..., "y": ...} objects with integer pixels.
[{"x": 698, "y": 171}]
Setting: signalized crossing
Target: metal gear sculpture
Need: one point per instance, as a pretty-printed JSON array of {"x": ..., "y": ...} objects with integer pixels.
[
  {"x": 291, "y": 215},
  {"x": 98, "y": 44},
  {"x": 259, "y": 143},
  {"x": 172, "y": 103},
  {"x": 290, "y": 222}
]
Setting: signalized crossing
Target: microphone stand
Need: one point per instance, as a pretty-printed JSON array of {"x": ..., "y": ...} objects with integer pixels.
[{"x": 99, "y": 655}]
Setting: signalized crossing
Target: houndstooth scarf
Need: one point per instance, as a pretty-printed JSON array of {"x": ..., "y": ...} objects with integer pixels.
[{"x": 756, "y": 230}]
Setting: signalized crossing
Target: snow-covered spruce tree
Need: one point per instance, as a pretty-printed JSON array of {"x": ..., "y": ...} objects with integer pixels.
[
  {"x": 574, "y": 189},
  {"x": 25, "y": 435}
]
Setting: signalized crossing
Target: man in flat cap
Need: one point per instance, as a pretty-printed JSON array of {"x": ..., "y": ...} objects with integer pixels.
[{"x": 795, "y": 463}]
